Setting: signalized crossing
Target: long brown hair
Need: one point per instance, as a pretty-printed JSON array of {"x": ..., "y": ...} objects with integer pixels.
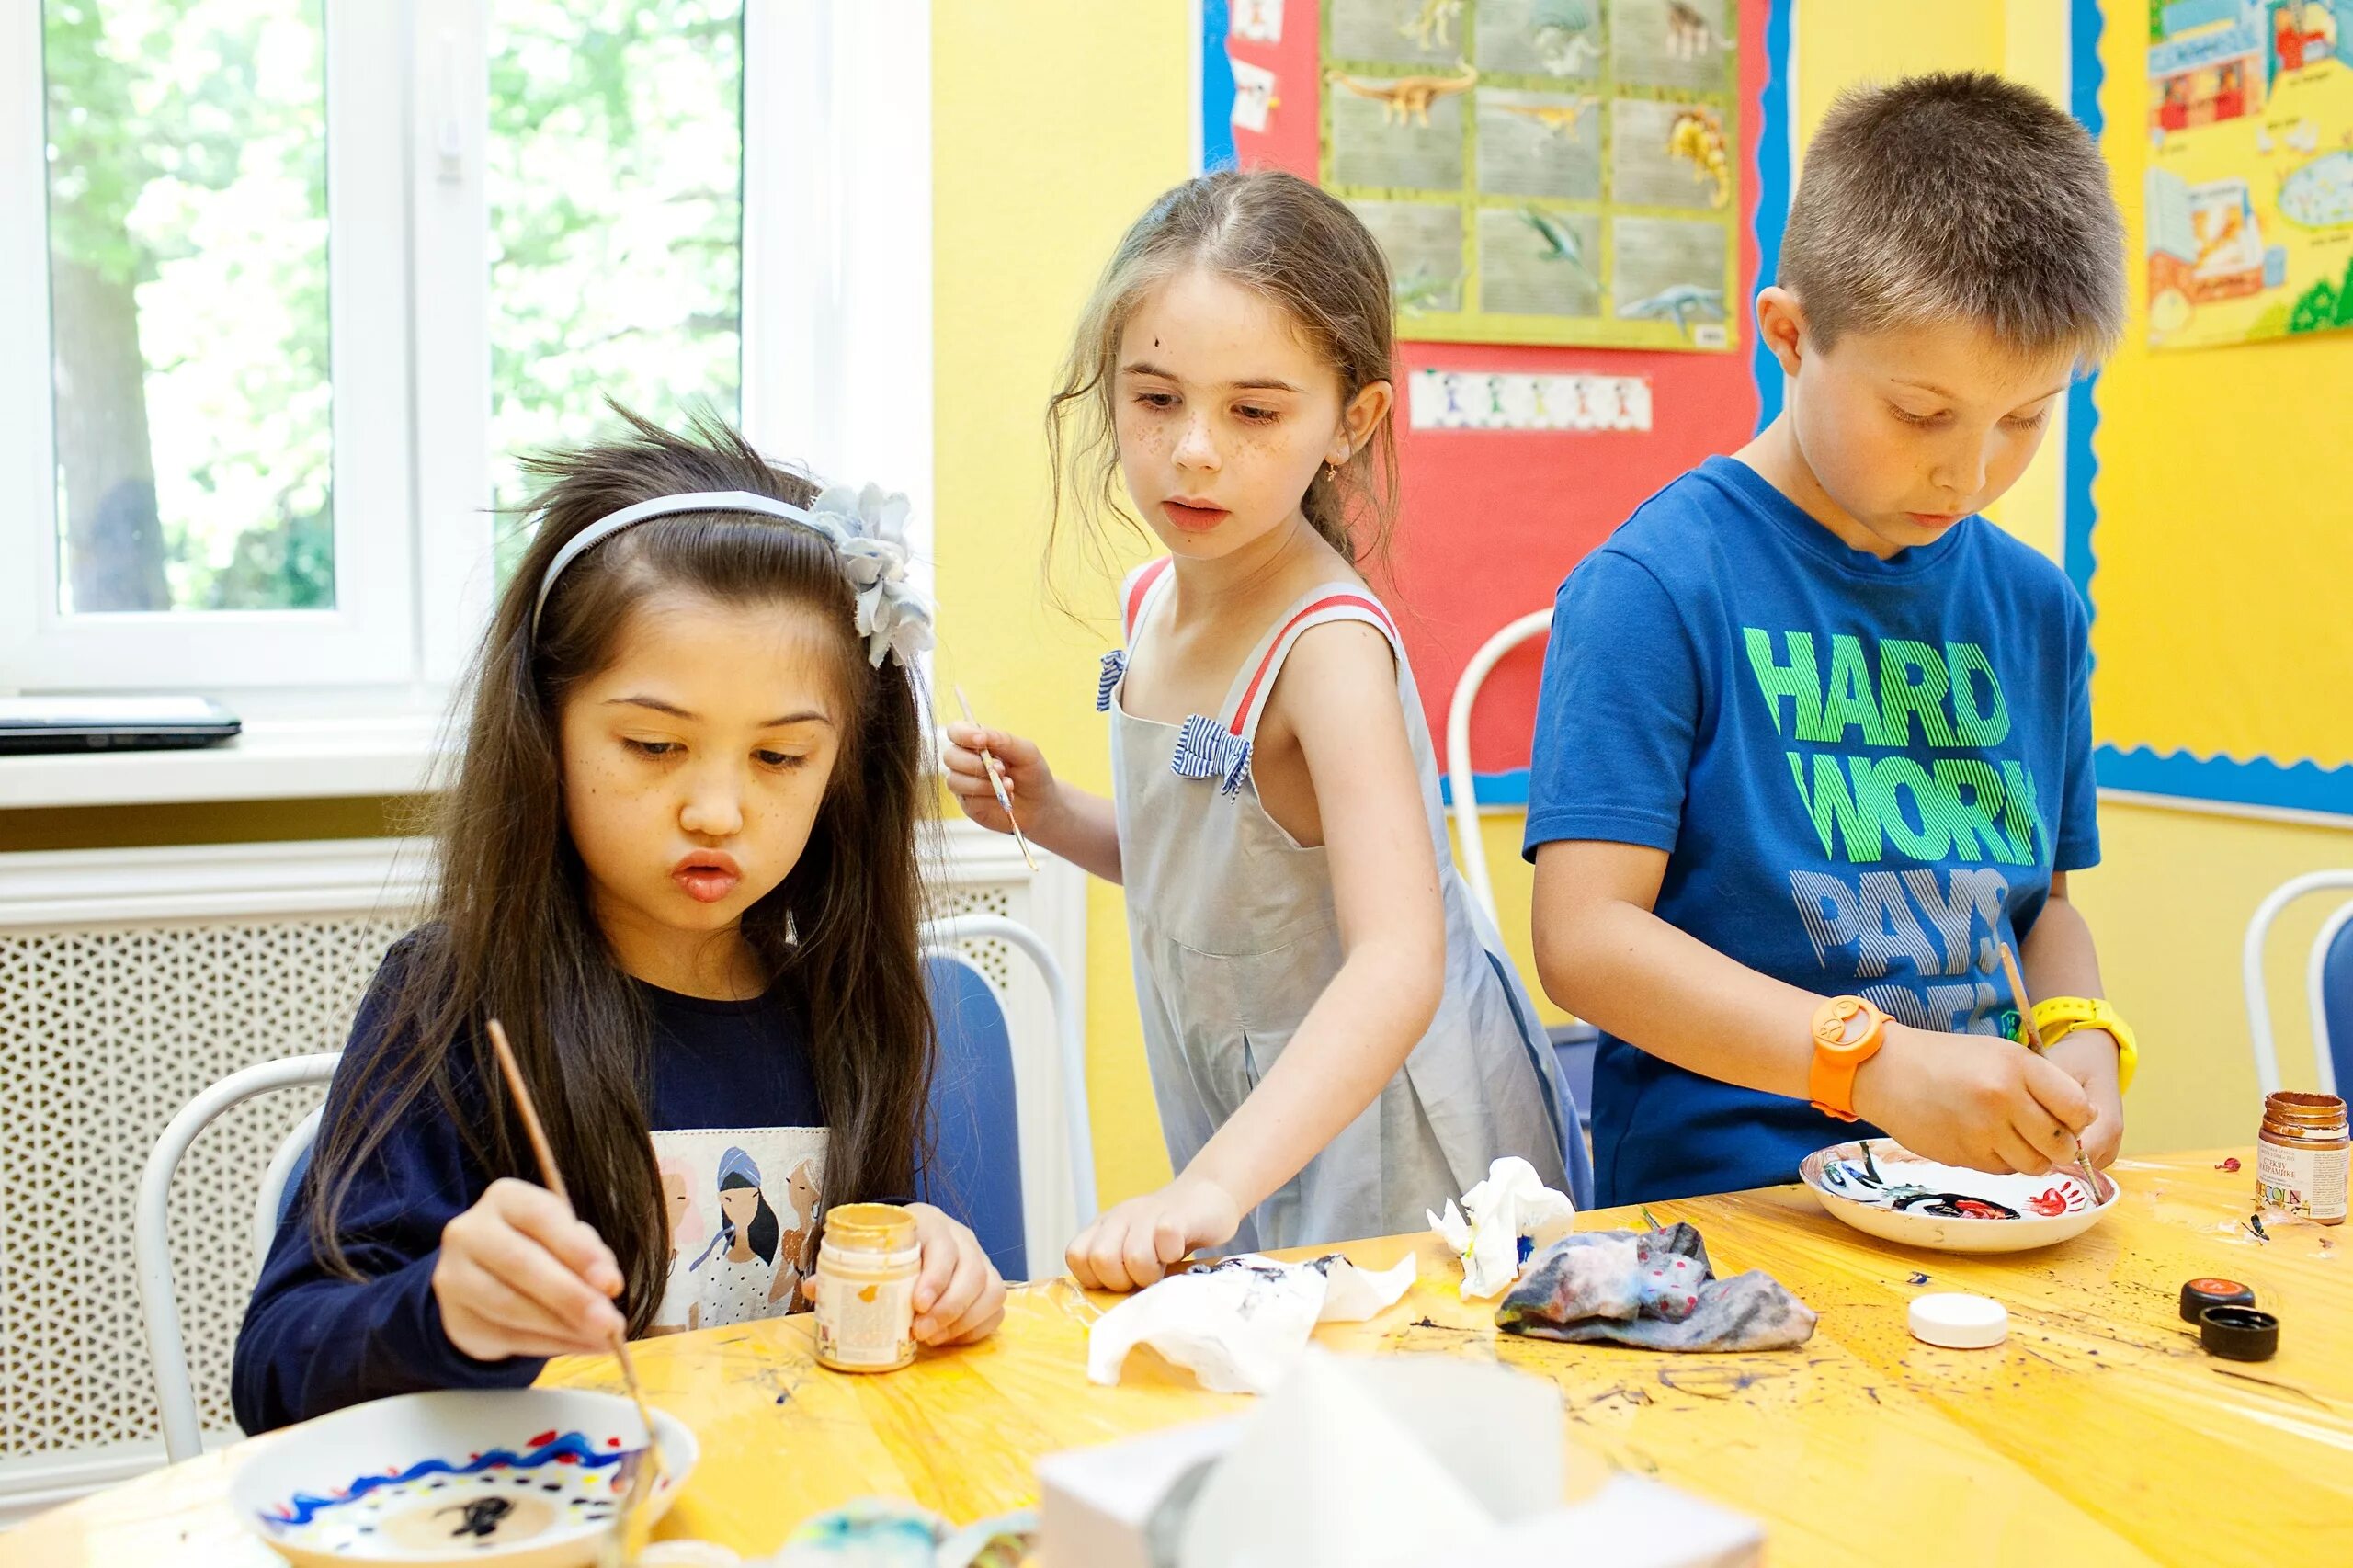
[
  {"x": 1276, "y": 235},
  {"x": 511, "y": 935}
]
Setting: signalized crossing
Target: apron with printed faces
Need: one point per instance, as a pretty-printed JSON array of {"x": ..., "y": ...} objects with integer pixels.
[{"x": 1235, "y": 936}]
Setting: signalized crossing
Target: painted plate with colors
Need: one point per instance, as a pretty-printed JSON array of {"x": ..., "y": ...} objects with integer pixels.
[
  {"x": 521, "y": 1478},
  {"x": 1884, "y": 1189}
]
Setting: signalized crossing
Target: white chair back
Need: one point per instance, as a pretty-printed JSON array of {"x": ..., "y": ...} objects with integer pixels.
[
  {"x": 151, "y": 1240},
  {"x": 1460, "y": 781},
  {"x": 944, "y": 937},
  {"x": 2258, "y": 996}
]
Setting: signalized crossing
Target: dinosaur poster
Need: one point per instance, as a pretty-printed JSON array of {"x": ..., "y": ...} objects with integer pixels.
[
  {"x": 2249, "y": 181},
  {"x": 1542, "y": 171}
]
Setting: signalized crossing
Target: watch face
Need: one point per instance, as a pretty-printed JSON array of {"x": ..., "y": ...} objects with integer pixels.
[{"x": 1844, "y": 1021}]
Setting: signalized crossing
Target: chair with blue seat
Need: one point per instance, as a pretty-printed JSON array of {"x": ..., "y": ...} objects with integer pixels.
[
  {"x": 977, "y": 1151},
  {"x": 2328, "y": 983},
  {"x": 973, "y": 1114}
]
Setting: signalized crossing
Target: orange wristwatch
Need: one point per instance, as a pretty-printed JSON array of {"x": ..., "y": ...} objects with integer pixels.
[{"x": 1848, "y": 1032}]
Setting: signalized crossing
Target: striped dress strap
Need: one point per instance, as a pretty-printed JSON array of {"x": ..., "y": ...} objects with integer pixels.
[
  {"x": 1135, "y": 593},
  {"x": 1220, "y": 748}
]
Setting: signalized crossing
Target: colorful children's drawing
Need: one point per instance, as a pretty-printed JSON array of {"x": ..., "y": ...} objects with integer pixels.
[
  {"x": 1259, "y": 21},
  {"x": 1254, "y": 95},
  {"x": 2249, "y": 185}
]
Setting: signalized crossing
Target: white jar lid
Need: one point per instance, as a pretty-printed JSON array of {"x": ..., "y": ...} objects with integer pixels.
[{"x": 1960, "y": 1322}]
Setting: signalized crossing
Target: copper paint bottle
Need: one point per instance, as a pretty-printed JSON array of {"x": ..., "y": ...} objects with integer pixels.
[{"x": 2301, "y": 1156}]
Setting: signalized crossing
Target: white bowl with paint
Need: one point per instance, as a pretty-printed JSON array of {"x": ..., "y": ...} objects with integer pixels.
[
  {"x": 519, "y": 1478},
  {"x": 1884, "y": 1189}
]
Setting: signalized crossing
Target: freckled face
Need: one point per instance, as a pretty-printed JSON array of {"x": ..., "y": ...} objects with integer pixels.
[{"x": 1224, "y": 415}]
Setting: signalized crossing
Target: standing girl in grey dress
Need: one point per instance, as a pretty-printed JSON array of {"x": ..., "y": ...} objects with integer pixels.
[{"x": 1337, "y": 1043}]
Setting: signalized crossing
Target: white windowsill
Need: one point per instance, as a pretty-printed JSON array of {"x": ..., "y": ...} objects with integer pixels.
[{"x": 273, "y": 759}]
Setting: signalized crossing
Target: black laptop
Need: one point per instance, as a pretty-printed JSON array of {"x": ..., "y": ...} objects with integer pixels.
[{"x": 112, "y": 723}]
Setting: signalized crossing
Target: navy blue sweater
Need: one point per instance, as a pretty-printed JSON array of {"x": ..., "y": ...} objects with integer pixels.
[{"x": 314, "y": 1341}]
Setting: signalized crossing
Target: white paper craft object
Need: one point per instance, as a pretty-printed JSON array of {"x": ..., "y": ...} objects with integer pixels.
[
  {"x": 1260, "y": 21},
  {"x": 1375, "y": 1463},
  {"x": 1254, "y": 95},
  {"x": 1511, "y": 1203},
  {"x": 1240, "y": 1324}
]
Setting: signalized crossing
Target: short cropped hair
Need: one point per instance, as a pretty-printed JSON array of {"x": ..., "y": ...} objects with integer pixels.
[{"x": 1958, "y": 196}]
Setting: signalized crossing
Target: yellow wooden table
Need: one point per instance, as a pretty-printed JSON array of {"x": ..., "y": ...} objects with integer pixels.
[{"x": 2099, "y": 1434}]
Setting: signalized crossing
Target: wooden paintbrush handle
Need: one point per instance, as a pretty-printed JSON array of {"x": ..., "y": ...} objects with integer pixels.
[{"x": 551, "y": 1177}]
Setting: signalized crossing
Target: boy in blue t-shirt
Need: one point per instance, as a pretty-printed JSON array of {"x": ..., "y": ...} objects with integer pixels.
[{"x": 1813, "y": 729}]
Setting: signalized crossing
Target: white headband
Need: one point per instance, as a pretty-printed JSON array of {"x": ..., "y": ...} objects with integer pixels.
[{"x": 866, "y": 528}]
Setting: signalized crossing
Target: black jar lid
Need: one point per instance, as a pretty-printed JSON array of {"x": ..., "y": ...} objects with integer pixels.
[
  {"x": 2238, "y": 1333},
  {"x": 2196, "y": 1295}
]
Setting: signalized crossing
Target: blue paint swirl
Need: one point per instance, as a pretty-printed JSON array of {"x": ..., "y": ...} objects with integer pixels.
[{"x": 571, "y": 1448}]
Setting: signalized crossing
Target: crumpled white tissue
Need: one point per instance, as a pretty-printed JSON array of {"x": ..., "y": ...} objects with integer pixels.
[
  {"x": 1240, "y": 1324},
  {"x": 1511, "y": 1203}
]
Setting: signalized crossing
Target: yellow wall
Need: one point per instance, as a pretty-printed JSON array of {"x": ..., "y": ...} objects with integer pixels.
[{"x": 1054, "y": 123}]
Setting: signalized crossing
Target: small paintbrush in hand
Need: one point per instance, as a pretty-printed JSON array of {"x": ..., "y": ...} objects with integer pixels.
[
  {"x": 2026, "y": 1019},
  {"x": 643, "y": 1477}
]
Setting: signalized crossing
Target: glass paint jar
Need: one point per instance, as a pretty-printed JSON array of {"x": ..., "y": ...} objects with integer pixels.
[
  {"x": 865, "y": 1289},
  {"x": 2301, "y": 1156}
]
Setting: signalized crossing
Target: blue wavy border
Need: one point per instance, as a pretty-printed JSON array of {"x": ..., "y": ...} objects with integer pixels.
[
  {"x": 571, "y": 1448},
  {"x": 1773, "y": 177},
  {"x": 2301, "y": 786},
  {"x": 2084, "y": 78},
  {"x": 1217, "y": 88}
]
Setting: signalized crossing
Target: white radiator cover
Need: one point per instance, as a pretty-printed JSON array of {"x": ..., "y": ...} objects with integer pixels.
[{"x": 131, "y": 978}]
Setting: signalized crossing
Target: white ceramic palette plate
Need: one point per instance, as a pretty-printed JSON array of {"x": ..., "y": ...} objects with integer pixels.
[
  {"x": 521, "y": 1478},
  {"x": 1884, "y": 1189}
]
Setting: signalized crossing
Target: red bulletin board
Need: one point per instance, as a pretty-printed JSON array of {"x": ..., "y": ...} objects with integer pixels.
[{"x": 1494, "y": 519}]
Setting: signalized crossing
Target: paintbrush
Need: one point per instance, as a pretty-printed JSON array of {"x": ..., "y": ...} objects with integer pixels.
[
  {"x": 2026, "y": 1018},
  {"x": 643, "y": 1477},
  {"x": 997, "y": 782}
]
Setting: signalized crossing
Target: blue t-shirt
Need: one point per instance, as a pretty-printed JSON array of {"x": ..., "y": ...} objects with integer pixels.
[{"x": 1864, "y": 773}]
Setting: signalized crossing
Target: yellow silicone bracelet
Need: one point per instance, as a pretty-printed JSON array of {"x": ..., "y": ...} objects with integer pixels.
[{"x": 2056, "y": 1017}]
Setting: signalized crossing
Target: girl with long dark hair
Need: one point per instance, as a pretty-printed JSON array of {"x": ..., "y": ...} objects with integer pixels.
[{"x": 677, "y": 861}]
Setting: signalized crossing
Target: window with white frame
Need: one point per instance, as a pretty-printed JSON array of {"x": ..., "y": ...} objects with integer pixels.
[{"x": 287, "y": 285}]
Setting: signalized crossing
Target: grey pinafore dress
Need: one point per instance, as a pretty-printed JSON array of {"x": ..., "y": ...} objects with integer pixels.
[{"x": 1234, "y": 936}]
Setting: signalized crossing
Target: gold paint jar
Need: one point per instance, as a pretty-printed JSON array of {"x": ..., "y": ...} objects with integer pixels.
[
  {"x": 2301, "y": 1156},
  {"x": 865, "y": 1289}
]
